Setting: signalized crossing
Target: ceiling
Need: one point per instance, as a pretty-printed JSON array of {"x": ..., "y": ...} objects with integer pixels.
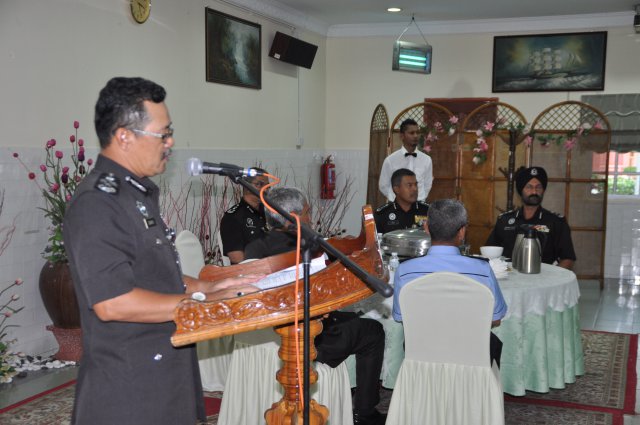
[{"x": 344, "y": 12}]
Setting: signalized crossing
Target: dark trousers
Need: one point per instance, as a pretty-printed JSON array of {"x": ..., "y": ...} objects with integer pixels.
[
  {"x": 495, "y": 349},
  {"x": 344, "y": 334}
]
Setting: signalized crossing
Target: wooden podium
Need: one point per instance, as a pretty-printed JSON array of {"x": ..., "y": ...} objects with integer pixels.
[{"x": 332, "y": 288}]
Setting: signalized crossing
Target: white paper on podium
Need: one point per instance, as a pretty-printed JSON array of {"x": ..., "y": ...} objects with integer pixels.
[{"x": 288, "y": 275}]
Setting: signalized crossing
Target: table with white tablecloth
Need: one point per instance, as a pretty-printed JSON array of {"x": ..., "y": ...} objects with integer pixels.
[{"x": 541, "y": 331}]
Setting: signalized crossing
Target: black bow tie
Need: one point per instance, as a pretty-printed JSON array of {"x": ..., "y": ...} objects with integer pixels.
[{"x": 413, "y": 154}]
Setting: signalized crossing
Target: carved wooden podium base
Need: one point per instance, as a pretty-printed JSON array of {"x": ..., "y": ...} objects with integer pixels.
[{"x": 288, "y": 410}]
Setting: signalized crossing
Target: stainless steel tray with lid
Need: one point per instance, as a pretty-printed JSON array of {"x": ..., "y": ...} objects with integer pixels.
[{"x": 407, "y": 242}]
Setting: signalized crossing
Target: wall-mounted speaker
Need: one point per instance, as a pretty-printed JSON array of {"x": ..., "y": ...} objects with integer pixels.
[{"x": 292, "y": 50}]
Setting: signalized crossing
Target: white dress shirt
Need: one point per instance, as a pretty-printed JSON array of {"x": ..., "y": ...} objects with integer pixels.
[{"x": 421, "y": 165}]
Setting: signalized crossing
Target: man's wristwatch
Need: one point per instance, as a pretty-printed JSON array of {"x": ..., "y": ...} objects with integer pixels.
[{"x": 199, "y": 296}]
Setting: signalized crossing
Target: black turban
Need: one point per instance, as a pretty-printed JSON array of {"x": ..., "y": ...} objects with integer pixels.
[{"x": 524, "y": 175}]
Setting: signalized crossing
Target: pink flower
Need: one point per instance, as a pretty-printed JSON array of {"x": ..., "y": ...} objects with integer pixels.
[
  {"x": 570, "y": 143},
  {"x": 81, "y": 149},
  {"x": 43, "y": 168},
  {"x": 484, "y": 146},
  {"x": 15, "y": 154},
  {"x": 68, "y": 197},
  {"x": 528, "y": 140},
  {"x": 90, "y": 162},
  {"x": 15, "y": 297},
  {"x": 32, "y": 176},
  {"x": 80, "y": 156},
  {"x": 80, "y": 142},
  {"x": 18, "y": 282},
  {"x": 7, "y": 314},
  {"x": 76, "y": 124},
  {"x": 427, "y": 148},
  {"x": 64, "y": 178},
  {"x": 438, "y": 125},
  {"x": 65, "y": 170},
  {"x": 453, "y": 119},
  {"x": 598, "y": 125},
  {"x": 72, "y": 138},
  {"x": 54, "y": 188},
  {"x": 489, "y": 126},
  {"x": 51, "y": 143},
  {"x": 59, "y": 154}
]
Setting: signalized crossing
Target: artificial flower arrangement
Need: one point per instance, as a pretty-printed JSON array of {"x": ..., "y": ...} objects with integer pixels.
[
  {"x": 489, "y": 128},
  {"x": 59, "y": 183},
  {"x": 431, "y": 134},
  {"x": 7, "y": 358}
]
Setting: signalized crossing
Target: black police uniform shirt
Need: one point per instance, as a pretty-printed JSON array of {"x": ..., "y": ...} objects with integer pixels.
[
  {"x": 391, "y": 217},
  {"x": 553, "y": 232},
  {"x": 116, "y": 241},
  {"x": 240, "y": 225}
]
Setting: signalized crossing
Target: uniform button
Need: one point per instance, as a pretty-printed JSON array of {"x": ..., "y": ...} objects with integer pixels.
[
  {"x": 158, "y": 242},
  {"x": 157, "y": 357}
]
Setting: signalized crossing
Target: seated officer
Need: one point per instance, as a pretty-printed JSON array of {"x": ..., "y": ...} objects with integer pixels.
[
  {"x": 553, "y": 231},
  {"x": 243, "y": 222},
  {"x": 405, "y": 212}
]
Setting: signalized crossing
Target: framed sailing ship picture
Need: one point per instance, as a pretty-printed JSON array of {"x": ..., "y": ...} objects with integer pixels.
[{"x": 549, "y": 62}]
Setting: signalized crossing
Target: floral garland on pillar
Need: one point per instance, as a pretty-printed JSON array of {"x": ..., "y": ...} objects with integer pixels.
[
  {"x": 430, "y": 134},
  {"x": 489, "y": 128}
]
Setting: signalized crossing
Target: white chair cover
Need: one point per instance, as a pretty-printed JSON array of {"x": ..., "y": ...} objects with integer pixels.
[
  {"x": 446, "y": 378},
  {"x": 214, "y": 355},
  {"x": 252, "y": 387}
]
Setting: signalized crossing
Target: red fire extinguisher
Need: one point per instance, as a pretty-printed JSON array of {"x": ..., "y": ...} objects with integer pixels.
[{"x": 328, "y": 179}]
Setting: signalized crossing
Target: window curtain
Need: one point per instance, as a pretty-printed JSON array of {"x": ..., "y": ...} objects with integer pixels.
[{"x": 623, "y": 113}]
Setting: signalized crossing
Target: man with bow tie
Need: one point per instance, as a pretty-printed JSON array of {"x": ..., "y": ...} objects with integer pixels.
[{"x": 409, "y": 157}]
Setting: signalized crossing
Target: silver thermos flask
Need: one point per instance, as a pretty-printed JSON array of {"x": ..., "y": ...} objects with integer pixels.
[
  {"x": 515, "y": 254},
  {"x": 530, "y": 253}
]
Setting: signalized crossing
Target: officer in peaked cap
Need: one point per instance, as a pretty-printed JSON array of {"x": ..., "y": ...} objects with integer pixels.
[{"x": 553, "y": 231}]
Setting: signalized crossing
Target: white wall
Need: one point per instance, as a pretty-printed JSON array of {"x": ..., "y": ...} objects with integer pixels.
[{"x": 359, "y": 77}]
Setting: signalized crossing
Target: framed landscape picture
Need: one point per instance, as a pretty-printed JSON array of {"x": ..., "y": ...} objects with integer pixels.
[
  {"x": 549, "y": 62},
  {"x": 233, "y": 50}
]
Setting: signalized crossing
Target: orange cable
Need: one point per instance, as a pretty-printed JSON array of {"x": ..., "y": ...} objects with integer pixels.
[{"x": 297, "y": 285}]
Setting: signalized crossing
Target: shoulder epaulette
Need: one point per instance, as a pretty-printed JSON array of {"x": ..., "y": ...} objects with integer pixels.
[
  {"x": 108, "y": 183},
  {"x": 232, "y": 209},
  {"x": 381, "y": 208},
  {"x": 557, "y": 214},
  {"x": 423, "y": 203},
  {"x": 508, "y": 212}
]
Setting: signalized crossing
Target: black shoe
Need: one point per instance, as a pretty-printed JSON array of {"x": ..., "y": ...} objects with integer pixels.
[{"x": 374, "y": 418}]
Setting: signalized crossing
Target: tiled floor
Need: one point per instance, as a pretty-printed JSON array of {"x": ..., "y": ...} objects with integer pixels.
[{"x": 614, "y": 309}]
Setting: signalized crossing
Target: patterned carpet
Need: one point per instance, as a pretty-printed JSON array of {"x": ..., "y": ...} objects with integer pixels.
[{"x": 600, "y": 397}]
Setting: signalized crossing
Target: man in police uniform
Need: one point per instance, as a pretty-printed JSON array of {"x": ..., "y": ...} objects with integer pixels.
[
  {"x": 126, "y": 272},
  {"x": 244, "y": 222},
  {"x": 447, "y": 227},
  {"x": 553, "y": 231},
  {"x": 406, "y": 211}
]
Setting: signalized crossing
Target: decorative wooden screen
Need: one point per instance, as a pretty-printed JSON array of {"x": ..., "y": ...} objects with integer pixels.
[
  {"x": 571, "y": 141},
  {"x": 378, "y": 135},
  {"x": 443, "y": 150},
  {"x": 486, "y": 188}
]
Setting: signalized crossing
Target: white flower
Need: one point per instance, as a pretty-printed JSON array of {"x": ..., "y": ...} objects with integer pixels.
[
  {"x": 451, "y": 131},
  {"x": 477, "y": 160}
]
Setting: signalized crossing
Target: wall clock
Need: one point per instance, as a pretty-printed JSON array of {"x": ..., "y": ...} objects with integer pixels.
[{"x": 140, "y": 10}]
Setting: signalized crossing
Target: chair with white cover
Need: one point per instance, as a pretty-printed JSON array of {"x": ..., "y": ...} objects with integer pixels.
[
  {"x": 214, "y": 355},
  {"x": 252, "y": 387},
  {"x": 446, "y": 377}
]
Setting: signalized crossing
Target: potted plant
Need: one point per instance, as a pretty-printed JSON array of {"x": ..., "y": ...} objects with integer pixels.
[{"x": 57, "y": 183}]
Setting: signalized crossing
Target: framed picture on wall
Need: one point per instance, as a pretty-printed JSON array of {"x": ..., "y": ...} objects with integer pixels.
[
  {"x": 233, "y": 50},
  {"x": 549, "y": 62}
]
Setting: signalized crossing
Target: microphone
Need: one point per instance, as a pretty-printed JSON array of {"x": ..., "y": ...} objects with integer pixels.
[{"x": 195, "y": 167}]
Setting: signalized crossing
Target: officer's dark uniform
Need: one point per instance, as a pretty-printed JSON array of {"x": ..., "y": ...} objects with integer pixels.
[
  {"x": 117, "y": 241},
  {"x": 240, "y": 225},
  {"x": 391, "y": 217},
  {"x": 553, "y": 232}
]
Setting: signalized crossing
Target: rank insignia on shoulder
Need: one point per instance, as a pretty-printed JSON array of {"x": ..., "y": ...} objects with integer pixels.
[
  {"x": 135, "y": 183},
  {"x": 108, "y": 183},
  {"x": 382, "y": 207}
]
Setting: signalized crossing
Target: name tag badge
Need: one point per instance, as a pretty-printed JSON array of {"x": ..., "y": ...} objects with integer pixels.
[{"x": 149, "y": 222}]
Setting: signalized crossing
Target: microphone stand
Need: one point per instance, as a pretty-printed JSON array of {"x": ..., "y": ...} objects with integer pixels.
[{"x": 312, "y": 239}]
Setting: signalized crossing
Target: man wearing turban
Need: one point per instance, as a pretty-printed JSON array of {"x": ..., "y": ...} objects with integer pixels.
[{"x": 553, "y": 231}]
